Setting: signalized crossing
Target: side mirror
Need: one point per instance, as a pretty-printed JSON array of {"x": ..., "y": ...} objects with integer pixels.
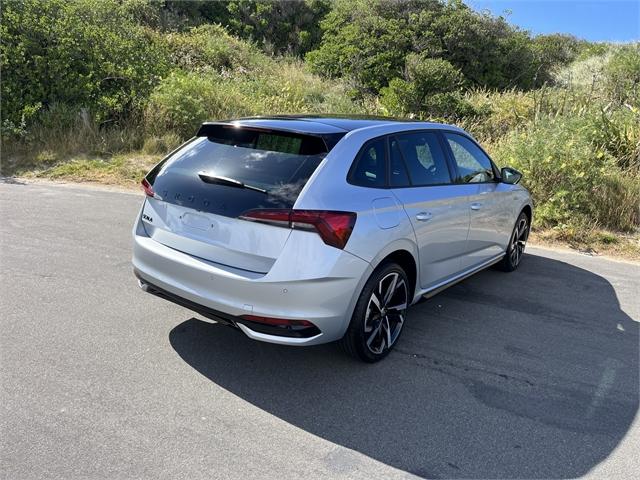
[{"x": 510, "y": 175}]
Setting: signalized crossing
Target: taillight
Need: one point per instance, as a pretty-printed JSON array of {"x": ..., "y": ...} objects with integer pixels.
[
  {"x": 333, "y": 227},
  {"x": 147, "y": 188}
]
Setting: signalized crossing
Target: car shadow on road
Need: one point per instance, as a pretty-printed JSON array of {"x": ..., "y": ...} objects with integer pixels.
[{"x": 532, "y": 374}]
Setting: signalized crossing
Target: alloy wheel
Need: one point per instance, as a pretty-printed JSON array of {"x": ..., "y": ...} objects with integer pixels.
[
  {"x": 518, "y": 241},
  {"x": 386, "y": 312}
]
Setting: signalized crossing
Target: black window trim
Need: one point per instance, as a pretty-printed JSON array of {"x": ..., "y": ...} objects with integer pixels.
[
  {"x": 355, "y": 161},
  {"x": 404, "y": 164},
  {"x": 449, "y": 152},
  {"x": 444, "y": 146}
]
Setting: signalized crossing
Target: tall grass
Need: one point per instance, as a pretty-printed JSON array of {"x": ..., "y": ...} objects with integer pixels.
[
  {"x": 573, "y": 179},
  {"x": 62, "y": 132}
]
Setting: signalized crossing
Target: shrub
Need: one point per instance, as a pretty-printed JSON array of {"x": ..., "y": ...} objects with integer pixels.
[
  {"x": 572, "y": 178},
  {"x": 369, "y": 40},
  {"x": 402, "y": 98},
  {"x": 433, "y": 75},
  {"x": 427, "y": 90},
  {"x": 161, "y": 145},
  {"x": 554, "y": 51},
  {"x": 365, "y": 41},
  {"x": 209, "y": 48},
  {"x": 182, "y": 101},
  {"x": 280, "y": 27},
  {"x": 622, "y": 75},
  {"x": 87, "y": 53}
]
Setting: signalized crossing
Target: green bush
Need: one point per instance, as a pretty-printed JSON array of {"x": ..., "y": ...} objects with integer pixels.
[
  {"x": 368, "y": 41},
  {"x": 365, "y": 41},
  {"x": 433, "y": 75},
  {"x": 428, "y": 90},
  {"x": 622, "y": 75},
  {"x": 182, "y": 101},
  {"x": 280, "y": 27},
  {"x": 554, "y": 51},
  {"x": 163, "y": 144},
  {"x": 285, "y": 27},
  {"x": 209, "y": 48},
  {"x": 85, "y": 53},
  {"x": 573, "y": 179}
]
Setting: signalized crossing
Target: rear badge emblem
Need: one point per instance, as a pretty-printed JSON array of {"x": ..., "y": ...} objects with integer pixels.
[{"x": 147, "y": 217}]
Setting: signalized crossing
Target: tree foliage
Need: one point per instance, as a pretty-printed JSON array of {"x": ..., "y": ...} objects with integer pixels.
[
  {"x": 88, "y": 53},
  {"x": 430, "y": 86},
  {"x": 289, "y": 26},
  {"x": 370, "y": 42}
]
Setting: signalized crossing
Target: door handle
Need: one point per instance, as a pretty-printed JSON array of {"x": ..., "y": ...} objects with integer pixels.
[
  {"x": 476, "y": 206},
  {"x": 424, "y": 216}
]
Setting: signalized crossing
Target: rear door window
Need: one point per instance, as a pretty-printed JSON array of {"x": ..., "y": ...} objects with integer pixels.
[
  {"x": 424, "y": 158},
  {"x": 273, "y": 165}
]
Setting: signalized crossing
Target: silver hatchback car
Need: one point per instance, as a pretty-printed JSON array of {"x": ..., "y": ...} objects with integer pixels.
[{"x": 310, "y": 229}]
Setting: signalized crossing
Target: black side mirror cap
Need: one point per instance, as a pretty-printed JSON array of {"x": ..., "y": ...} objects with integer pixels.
[{"x": 510, "y": 175}]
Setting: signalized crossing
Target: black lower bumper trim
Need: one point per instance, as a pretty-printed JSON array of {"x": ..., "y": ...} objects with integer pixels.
[{"x": 290, "y": 331}]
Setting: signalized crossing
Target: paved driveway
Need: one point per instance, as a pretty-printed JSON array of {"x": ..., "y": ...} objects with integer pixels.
[{"x": 531, "y": 374}]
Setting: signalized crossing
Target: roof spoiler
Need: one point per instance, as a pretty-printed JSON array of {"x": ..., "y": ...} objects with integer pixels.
[
  {"x": 208, "y": 128},
  {"x": 311, "y": 142},
  {"x": 211, "y": 128}
]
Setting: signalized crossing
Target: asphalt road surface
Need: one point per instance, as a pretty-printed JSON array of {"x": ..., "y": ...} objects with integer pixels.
[{"x": 523, "y": 375}]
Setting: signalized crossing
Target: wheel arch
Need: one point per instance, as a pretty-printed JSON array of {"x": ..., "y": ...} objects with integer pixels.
[
  {"x": 408, "y": 264},
  {"x": 405, "y": 254},
  {"x": 528, "y": 211}
]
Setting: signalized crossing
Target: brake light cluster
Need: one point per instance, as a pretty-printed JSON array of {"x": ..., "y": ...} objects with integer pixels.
[
  {"x": 333, "y": 227},
  {"x": 147, "y": 188}
]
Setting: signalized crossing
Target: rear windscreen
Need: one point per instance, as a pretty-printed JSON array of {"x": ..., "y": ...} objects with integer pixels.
[{"x": 268, "y": 170}]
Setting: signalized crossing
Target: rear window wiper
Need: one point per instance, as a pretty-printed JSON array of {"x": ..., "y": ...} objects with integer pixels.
[{"x": 229, "y": 182}]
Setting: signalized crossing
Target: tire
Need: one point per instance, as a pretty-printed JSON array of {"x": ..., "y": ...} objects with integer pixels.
[
  {"x": 517, "y": 243},
  {"x": 374, "y": 330}
]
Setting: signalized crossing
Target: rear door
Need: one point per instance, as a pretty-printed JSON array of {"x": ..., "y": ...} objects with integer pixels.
[
  {"x": 489, "y": 204},
  {"x": 202, "y": 189},
  {"x": 438, "y": 209}
]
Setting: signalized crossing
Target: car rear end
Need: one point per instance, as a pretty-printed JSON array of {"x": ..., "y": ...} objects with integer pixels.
[{"x": 219, "y": 232}]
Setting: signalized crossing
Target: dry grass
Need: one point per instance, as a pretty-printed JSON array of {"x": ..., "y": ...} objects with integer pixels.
[
  {"x": 119, "y": 170},
  {"x": 596, "y": 242}
]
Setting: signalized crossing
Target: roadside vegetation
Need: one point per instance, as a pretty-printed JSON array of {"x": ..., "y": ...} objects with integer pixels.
[{"x": 100, "y": 90}]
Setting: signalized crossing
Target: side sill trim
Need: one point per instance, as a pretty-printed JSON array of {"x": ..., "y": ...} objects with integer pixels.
[{"x": 428, "y": 293}]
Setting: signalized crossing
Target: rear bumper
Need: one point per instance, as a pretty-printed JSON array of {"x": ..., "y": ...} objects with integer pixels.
[
  {"x": 230, "y": 320},
  {"x": 324, "y": 294}
]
